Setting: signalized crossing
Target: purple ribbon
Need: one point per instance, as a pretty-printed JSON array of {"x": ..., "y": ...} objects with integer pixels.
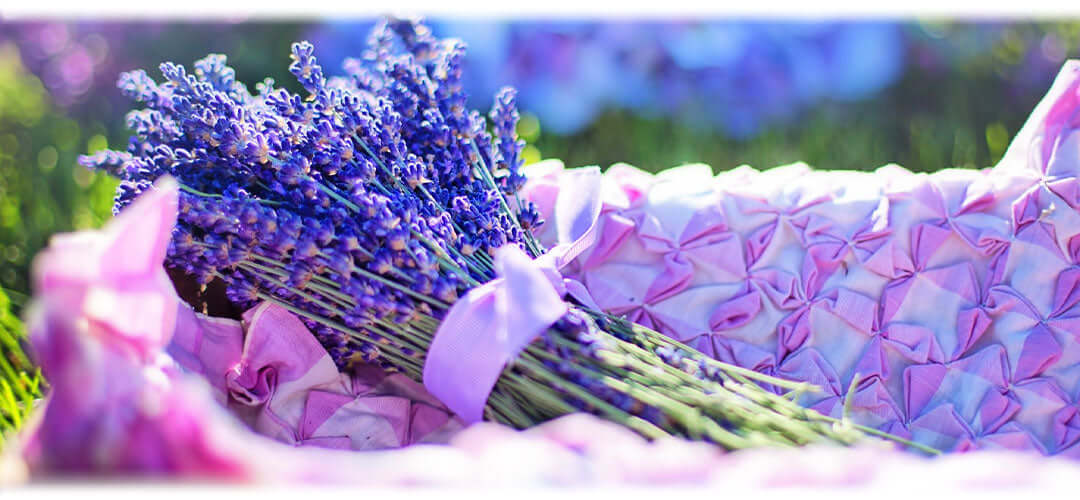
[{"x": 492, "y": 323}]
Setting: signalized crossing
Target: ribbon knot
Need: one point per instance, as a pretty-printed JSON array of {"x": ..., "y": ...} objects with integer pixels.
[{"x": 491, "y": 324}]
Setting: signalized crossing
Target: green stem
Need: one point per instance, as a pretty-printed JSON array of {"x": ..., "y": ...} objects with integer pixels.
[
  {"x": 641, "y": 425},
  {"x": 218, "y": 196},
  {"x": 333, "y": 194}
]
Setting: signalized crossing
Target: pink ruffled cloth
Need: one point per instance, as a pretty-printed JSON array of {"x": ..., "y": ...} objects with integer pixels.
[
  {"x": 948, "y": 301},
  {"x": 271, "y": 372}
]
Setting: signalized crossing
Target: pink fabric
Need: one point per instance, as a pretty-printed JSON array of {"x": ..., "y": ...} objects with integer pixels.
[
  {"x": 948, "y": 299},
  {"x": 103, "y": 310},
  {"x": 271, "y": 372}
]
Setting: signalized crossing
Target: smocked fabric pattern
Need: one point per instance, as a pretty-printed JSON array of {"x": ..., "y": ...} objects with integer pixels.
[{"x": 943, "y": 306}]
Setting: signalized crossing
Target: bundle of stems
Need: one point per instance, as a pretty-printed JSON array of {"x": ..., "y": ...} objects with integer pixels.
[{"x": 370, "y": 206}]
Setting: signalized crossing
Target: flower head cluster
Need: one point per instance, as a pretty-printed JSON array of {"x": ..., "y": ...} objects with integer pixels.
[{"x": 373, "y": 198}]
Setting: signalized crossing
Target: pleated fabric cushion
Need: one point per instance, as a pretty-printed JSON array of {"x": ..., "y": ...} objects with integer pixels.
[{"x": 943, "y": 305}]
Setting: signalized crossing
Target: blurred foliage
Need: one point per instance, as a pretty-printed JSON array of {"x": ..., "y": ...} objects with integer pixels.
[
  {"x": 42, "y": 190},
  {"x": 79, "y": 62},
  {"x": 966, "y": 92}
]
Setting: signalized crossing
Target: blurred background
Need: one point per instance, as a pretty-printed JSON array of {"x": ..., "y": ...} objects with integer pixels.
[{"x": 655, "y": 94}]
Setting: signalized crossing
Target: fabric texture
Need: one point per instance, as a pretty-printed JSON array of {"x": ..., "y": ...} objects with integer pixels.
[
  {"x": 271, "y": 372},
  {"x": 943, "y": 305}
]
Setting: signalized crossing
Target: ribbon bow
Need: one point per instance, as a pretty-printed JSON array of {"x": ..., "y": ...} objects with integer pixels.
[{"x": 491, "y": 324}]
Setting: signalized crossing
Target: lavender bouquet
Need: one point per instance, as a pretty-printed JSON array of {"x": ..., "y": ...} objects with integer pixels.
[{"x": 383, "y": 213}]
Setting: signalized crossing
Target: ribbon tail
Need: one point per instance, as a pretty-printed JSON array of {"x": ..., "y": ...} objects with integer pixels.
[{"x": 486, "y": 329}]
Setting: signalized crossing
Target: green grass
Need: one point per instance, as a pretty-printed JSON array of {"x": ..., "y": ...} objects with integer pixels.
[{"x": 20, "y": 381}]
